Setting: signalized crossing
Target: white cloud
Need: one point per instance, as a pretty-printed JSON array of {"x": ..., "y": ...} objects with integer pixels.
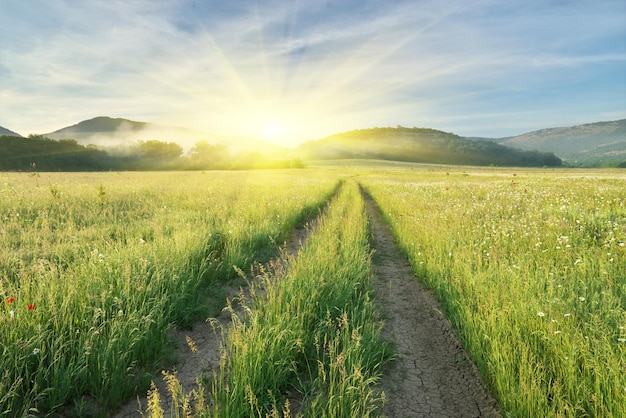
[{"x": 212, "y": 64}]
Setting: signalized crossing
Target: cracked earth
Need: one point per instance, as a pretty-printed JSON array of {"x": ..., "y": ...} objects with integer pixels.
[{"x": 432, "y": 375}]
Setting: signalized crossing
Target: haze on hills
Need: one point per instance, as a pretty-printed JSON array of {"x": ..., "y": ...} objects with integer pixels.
[
  {"x": 585, "y": 145},
  {"x": 580, "y": 144},
  {"x": 105, "y": 131}
]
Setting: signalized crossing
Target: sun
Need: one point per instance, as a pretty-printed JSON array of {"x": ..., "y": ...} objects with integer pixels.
[
  {"x": 272, "y": 130},
  {"x": 284, "y": 124},
  {"x": 277, "y": 126}
]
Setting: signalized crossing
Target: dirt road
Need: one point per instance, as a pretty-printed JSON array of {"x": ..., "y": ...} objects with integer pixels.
[{"x": 432, "y": 376}]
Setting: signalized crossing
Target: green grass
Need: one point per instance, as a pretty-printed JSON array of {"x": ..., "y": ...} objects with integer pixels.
[
  {"x": 530, "y": 267},
  {"x": 96, "y": 269},
  {"x": 314, "y": 334}
]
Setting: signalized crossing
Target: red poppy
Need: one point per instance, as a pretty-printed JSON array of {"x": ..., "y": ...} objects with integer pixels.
[
  {"x": 10, "y": 300},
  {"x": 31, "y": 306}
]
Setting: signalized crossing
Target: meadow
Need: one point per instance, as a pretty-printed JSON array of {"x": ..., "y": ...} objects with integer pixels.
[
  {"x": 96, "y": 269},
  {"x": 530, "y": 266}
]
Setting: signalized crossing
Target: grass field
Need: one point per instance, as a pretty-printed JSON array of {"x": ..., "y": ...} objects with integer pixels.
[
  {"x": 96, "y": 268},
  {"x": 530, "y": 266},
  {"x": 531, "y": 269}
]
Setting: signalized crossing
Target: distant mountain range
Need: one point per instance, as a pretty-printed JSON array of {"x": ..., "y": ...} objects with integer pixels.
[
  {"x": 105, "y": 131},
  {"x": 588, "y": 143},
  {"x": 5, "y": 131}
]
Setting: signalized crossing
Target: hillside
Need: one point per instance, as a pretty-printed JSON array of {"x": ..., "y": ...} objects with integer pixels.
[
  {"x": 106, "y": 131},
  {"x": 580, "y": 144},
  {"x": 420, "y": 145},
  {"x": 5, "y": 131}
]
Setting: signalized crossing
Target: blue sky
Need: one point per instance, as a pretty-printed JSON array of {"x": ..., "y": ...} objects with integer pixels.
[{"x": 289, "y": 71}]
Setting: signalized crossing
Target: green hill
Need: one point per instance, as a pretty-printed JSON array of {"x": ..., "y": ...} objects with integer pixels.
[{"x": 422, "y": 146}]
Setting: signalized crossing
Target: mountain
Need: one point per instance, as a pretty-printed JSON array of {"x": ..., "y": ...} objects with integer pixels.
[
  {"x": 419, "y": 145},
  {"x": 105, "y": 131},
  {"x": 588, "y": 143},
  {"x": 5, "y": 131}
]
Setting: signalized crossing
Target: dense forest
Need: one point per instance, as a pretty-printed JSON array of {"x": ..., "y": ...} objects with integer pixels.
[
  {"x": 38, "y": 153},
  {"x": 423, "y": 146}
]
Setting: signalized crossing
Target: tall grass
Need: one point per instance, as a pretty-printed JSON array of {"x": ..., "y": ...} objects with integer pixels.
[
  {"x": 313, "y": 338},
  {"x": 531, "y": 269},
  {"x": 96, "y": 268}
]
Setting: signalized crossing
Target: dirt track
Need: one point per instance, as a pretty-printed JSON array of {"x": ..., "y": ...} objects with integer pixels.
[
  {"x": 432, "y": 376},
  {"x": 207, "y": 340}
]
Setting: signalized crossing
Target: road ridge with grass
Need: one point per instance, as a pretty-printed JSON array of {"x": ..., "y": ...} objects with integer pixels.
[
  {"x": 432, "y": 376},
  {"x": 198, "y": 349}
]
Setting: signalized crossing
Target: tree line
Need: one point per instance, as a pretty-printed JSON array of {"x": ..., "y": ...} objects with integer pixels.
[{"x": 39, "y": 153}]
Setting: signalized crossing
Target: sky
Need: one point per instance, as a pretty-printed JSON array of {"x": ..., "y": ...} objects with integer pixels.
[{"x": 290, "y": 71}]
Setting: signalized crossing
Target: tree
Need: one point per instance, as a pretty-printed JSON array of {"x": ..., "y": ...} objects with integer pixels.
[
  {"x": 156, "y": 154},
  {"x": 204, "y": 155}
]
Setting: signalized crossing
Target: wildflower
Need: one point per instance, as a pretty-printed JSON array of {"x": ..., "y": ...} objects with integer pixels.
[
  {"x": 101, "y": 257},
  {"x": 22, "y": 346},
  {"x": 36, "y": 351},
  {"x": 621, "y": 340},
  {"x": 11, "y": 299},
  {"x": 11, "y": 314},
  {"x": 541, "y": 314},
  {"x": 31, "y": 307},
  {"x": 581, "y": 298},
  {"x": 567, "y": 314}
]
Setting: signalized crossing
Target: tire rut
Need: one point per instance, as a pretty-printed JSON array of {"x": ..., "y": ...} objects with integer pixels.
[
  {"x": 198, "y": 350},
  {"x": 432, "y": 376}
]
